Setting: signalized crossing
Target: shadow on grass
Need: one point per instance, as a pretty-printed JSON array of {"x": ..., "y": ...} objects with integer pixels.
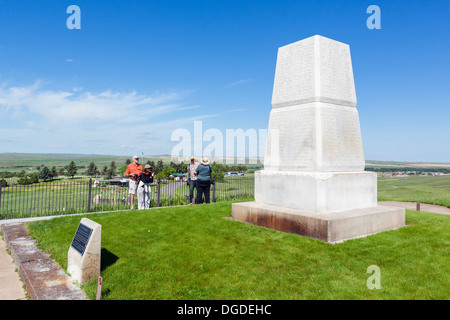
[{"x": 107, "y": 259}]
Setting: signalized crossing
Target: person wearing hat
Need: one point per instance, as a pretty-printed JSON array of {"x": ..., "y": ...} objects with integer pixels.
[
  {"x": 192, "y": 179},
  {"x": 203, "y": 173},
  {"x": 133, "y": 171},
  {"x": 144, "y": 190}
]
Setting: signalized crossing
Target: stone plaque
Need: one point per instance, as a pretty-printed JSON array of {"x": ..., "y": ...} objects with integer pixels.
[
  {"x": 83, "y": 258},
  {"x": 81, "y": 238}
]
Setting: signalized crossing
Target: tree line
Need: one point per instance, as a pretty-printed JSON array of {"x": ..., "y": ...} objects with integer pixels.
[
  {"x": 161, "y": 170},
  {"x": 418, "y": 170}
]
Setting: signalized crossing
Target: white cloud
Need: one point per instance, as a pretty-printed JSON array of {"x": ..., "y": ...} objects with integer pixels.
[
  {"x": 84, "y": 106},
  {"x": 239, "y": 82},
  {"x": 39, "y": 119}
]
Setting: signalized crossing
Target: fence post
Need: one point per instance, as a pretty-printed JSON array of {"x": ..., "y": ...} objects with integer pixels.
[
  {"x": 214, "y": 189},
  {"x": 89, "y": 197},
  {"x": 418, "y": 206},
  {"x": 159, "y": 191},
  {"x": 0, "y": 195}
]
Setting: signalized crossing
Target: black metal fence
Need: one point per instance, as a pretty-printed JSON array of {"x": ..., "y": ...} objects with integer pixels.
[{"x": 67, "y": 197}]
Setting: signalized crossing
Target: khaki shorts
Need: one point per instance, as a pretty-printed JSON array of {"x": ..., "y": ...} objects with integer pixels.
[{"x": 132, "y": 187}]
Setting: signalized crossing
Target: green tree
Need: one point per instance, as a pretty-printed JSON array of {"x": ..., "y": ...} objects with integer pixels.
[
  {"x": 151, "y": 163},
  {"x": 45, "y": 174},
  {"x": 159, "y": 166},
  {"x": 34, "y": 178},
  {"x": 92, "y": 170},
  {"x": 122, "y": 170},
  {"x": 54, "y": 172},
  {"x": 4, "y": 183},
  {"x": 217, "y": 172},
  {"x": 23, "y": 181},
  {"x": 178, "y": 167},
  {"x": 6, "y": 174},
  {"x": 111, "y": 171},
  {"x": 22, "y": 174},
  {"x": 173, "y": 165},
  {"x": 166, "y": 172},
  {"x": 72, "y": 169},
  {"x": 241, "y": 168},
  {"x": 104, "y": 172}
]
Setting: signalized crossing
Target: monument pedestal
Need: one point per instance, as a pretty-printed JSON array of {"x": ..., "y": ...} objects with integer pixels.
[
  {"x": 319, "y": 192},
  {"x": 328, "y": 227}
]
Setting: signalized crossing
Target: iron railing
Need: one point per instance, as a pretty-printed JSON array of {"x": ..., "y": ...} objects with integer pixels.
[{"x": 67, "y": 197}]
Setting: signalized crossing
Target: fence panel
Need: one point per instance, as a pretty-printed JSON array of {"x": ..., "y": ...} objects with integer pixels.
[{"x": 66, "y": 197}]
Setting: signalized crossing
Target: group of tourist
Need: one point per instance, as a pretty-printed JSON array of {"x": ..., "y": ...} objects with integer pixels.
[{"x": 198, "y": 177}]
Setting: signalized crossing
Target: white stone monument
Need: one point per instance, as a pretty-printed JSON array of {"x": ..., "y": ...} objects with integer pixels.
[
  {"x": 313, "y": 182},
  {"x": 84, "y": 254}
]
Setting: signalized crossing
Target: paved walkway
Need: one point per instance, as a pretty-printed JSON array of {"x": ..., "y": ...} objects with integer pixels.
[
  {"x": 412, "y": 206},
  {"x": 172, "y": 187},
  {"x": 10, "y": 283}
]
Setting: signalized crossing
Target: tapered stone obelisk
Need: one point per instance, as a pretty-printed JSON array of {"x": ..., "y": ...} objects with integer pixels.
[{"x": 313, "y": 182}]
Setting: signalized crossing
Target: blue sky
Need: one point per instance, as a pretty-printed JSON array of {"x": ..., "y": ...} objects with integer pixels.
[{"x": 138, "y": 70}]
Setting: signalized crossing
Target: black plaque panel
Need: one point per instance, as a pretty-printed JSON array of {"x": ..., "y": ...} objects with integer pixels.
[{"x": 81, "y": 238}]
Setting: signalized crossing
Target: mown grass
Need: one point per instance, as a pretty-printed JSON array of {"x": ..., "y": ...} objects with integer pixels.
[
  {"x": 426, "y": 189},
  {"x": 197, "y": 252}
]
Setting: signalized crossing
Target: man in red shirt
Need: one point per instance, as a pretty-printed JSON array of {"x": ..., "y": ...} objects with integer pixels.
[{"x": 133, "y": 171}]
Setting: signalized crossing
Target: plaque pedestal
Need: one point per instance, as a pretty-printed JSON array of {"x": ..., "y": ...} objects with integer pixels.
[{"x": 83, "y": 258}]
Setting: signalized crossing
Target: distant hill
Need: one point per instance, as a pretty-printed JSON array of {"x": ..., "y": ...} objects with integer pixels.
[
  {"x": 25, "y": 161},
  {"x": 29, "y": 161},
  {"x": 403, "y": 164}
]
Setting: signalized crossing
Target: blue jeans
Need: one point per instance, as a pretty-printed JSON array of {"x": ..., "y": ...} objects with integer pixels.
[{"x": 192, "y": 185}]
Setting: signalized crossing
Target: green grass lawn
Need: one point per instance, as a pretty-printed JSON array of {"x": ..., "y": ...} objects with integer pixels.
[
  {"x": 426, "y": 189},
  {"x": 197, "y": 252}
]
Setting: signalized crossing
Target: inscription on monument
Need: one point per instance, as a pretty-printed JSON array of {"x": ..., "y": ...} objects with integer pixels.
[
  {"x": 294, "y": 78},
  {"x": 81, "y": 238}
]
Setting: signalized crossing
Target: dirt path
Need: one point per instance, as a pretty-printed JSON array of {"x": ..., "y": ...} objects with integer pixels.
[{"x": 412, "y": 206}]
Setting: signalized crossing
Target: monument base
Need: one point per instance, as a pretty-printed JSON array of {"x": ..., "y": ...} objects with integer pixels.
[
  {"x": 328, "y": 227},
  {"x": 320, "y": 192}
]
